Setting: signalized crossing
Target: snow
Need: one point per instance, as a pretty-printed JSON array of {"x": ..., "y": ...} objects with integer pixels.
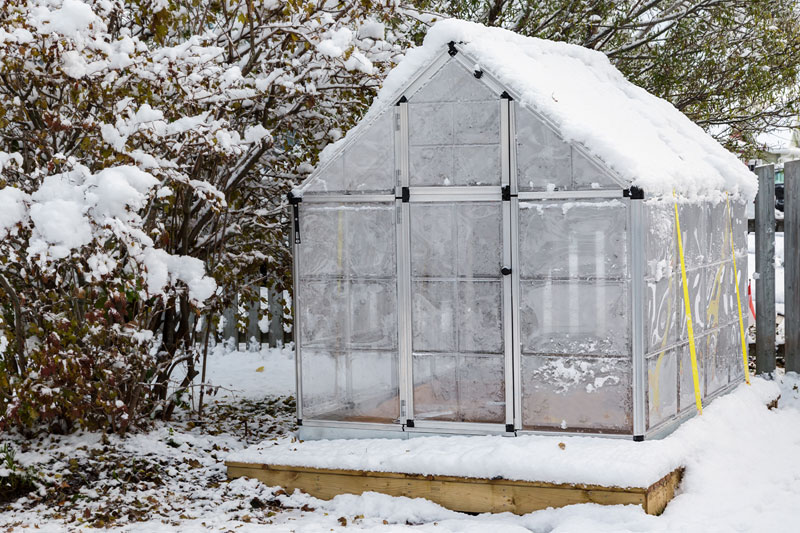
[
  {"x": 602, "y": 461},
  {"x": 12, "y": 209},
  {"x": 643, "y": 139},
  {"x": 164, "y": 269}
]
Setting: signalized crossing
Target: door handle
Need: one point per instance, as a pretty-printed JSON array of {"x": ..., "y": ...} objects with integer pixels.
[{"x": 505, "y": 271}]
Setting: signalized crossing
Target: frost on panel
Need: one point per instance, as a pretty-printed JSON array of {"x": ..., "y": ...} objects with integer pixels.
[
  {"x": 720, "y": 287},
  {"x": 544, "y": 159},
  {"x": 697, "y": 297},
  {"x": 322, "y": 230},
  {"x": 433, "y": 240},
  {"x": 435, "y": 386},
  {"x": 576, "y": 393},
  {"x": 686, "y": 400},
  {"x": 662, "y": 387},
  {"x": 573, "y": 240},
  {"x": 372, "y": 308},
  {"x": 587, "y": 174},
  {"x": 731, "y": 336},
  {"x": 480, "y": 325},
  {"x": 574, "y": 317},
  {"x": 370, "y": 249},
  {"x": 694, "y": 233},
  {"x": 716, "y": 361},
  {"x": 661, "y": 245},
  {"x": 454, "y": 131},
  {"x": 366, "y": 165},
  {"x": 433, "y": 310},
  {"x": 323, "y": 309},
  {"x": 452, "y": 83},
  {"x": 662, "y": 313},
  {"x": 479, "y": 241},
  {"x": 359, "y": 386}
]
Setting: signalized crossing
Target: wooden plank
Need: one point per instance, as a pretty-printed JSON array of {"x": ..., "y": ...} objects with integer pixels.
[
  {"x": 791, "y": 243},
  {"x": 473, "y": 495},
  {"x": 765, "y": 267}
]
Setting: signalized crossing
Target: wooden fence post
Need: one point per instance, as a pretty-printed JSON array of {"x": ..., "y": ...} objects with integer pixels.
[
  {"x": 765, "y": 270},
  {"x": 791, "y": 243}
]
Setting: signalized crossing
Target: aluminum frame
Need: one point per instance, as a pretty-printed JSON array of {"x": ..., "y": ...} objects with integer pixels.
[
  {"x": 636, "y": 265},
  {"x": 404, "y": 270},
  {"x": 298, "y": 363}
]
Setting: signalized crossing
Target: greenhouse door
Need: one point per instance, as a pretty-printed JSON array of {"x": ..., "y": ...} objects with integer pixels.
[{"x": 460, "y": 335}]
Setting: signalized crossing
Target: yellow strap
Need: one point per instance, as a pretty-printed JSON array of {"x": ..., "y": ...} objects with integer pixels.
[
  {"x": 687, "y": 304},
  {"x": 738, "y": 297}
]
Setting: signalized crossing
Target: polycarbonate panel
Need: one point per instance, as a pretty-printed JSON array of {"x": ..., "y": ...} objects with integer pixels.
[
  {"x": 433, "y": 312},
  {"x": 347, "y": 309},
  {"x": 454, "y": 143},
  {"x": 739, "y": 224},
  {"x": 459, "y": 388},
  {"x": 716, "y": 361},
  {"x": 544, "y": 159},
  {"x": 662, "y": 313},
  {"x": 570, "y": 239},
  {"x": 694, "y": 233},
  {"x": 358, "y": 386},
  {"x": 696, "y": 279},
  {"x": 480, "y": 316},
  {"x": 731, "y": 336},
  {"x": 574, "y": 317},
  {"x": 452, "y": 83},
  {"x": 719, "y": 234},
  {"x": 720, "y": 295},
  {"x": 587, "y": 174},
  {"x": 662, "y": 387},
  {"x": 576, "y": 393},
  {"x": 686, "y": 399},
  {"x": 457, "y": 335},
  {"x": 365, "y": 166},
  {"x": 661, "y": 245}
]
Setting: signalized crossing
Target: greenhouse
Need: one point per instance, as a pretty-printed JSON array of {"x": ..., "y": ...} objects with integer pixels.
[{"x": 493, "y": 249}]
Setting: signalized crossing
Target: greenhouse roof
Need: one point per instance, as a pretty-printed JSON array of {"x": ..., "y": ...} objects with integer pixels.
[{"x": 641, "y": 138}]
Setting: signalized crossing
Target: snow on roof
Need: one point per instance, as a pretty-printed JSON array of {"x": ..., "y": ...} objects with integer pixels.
[{"x": 643, "y": 139}]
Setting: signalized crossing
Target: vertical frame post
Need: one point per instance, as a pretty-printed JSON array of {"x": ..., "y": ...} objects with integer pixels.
[
  {"x": 404, "y": 268},
  {"x": 765, "y": 270},
  {"x": 791, "y": 243},
  {"x": 296, "y": 315},
  {"x": 515, "y": 289},
  {"x": 638, "y": 366},
  {"x": 508, "y": 338}
]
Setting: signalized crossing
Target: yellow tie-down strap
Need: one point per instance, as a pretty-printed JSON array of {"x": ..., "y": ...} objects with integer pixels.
[
  {"x": 688, "y": 306},
  {"x": 738, "y": 296}
]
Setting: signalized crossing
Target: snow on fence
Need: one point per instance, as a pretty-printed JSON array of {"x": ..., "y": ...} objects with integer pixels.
[{"x": 765, "y": 227}]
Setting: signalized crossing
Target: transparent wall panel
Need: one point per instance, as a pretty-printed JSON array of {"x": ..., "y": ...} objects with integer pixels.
[
  {"x": 365, "y": 166},
  {"x": 454, "y": 143},
  {"x": 573, "y": 239},
  {"x": 721, "y": 305},
  {"x": 546, "y": 162},
  {"x": 347, "y": 305},
  {"x": 576, "y": 393},
  {"x": 731, "y": 337},
  {"x": 686, "y": 399},
  {"x": 696, "y": 279},
  {"x": 574, "y": 317},
  {"x": 457, "y": 333},
  {"x": 358, "y": 386},
  {"x": 587, "y": 174},
  {"x": 739, "y": 224},
  {"x": 462, "y": 388},
  {"x": 661, "y": 245},
  {"x": 694, "y": 233},
  {"x": 716, "y": 361},
  {"x": 452, "y": 83},
  {"x": 662, "y": 387},
  {"x": 544, "y": 159},
  {"x": 661, "y": 306},
  {"x": 719, "y": 234}
]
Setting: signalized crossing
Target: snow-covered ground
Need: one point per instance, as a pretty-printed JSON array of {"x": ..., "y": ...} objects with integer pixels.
[{"x": 742, "y": 472}]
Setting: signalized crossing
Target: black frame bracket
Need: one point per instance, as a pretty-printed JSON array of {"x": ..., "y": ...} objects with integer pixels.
[
  {"x": 451, "y": 48},
  {"x": 294, "y": 201},
  {"x": 405, "y": 195},
  {"x": 634, "y": 193}
]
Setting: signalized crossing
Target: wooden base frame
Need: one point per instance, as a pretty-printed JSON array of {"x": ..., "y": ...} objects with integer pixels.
[{"x": 470, "y": 495}]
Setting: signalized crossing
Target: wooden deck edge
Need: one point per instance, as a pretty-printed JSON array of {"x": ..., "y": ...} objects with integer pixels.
[{"x": 473, "y": 495}]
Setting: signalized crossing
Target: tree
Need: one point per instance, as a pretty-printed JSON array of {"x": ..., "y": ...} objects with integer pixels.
[
  {"x": 223, "y": 107},
  {"x": 730, "y": 65}
]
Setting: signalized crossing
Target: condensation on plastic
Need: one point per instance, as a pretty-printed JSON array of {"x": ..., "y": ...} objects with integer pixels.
[
  {"x": 575, "y": 317},
  {"x": 545, "y": 161},
  {"x": 576, "y": 393},
  {"x": 686, "y": 398},
  {"x": 355, "y": 385},
  {"x": 661, "y": 313},
  {"x": 662, "y": 387},
  {"x": 365, "y": 166},
  {"x": 454, "y": 131},
  {"x": 573, "y": 240},
  {"x": 456, "y": 311},
  {"x": 459, "y": 387},
  {"x": 347, "y": 306}
]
